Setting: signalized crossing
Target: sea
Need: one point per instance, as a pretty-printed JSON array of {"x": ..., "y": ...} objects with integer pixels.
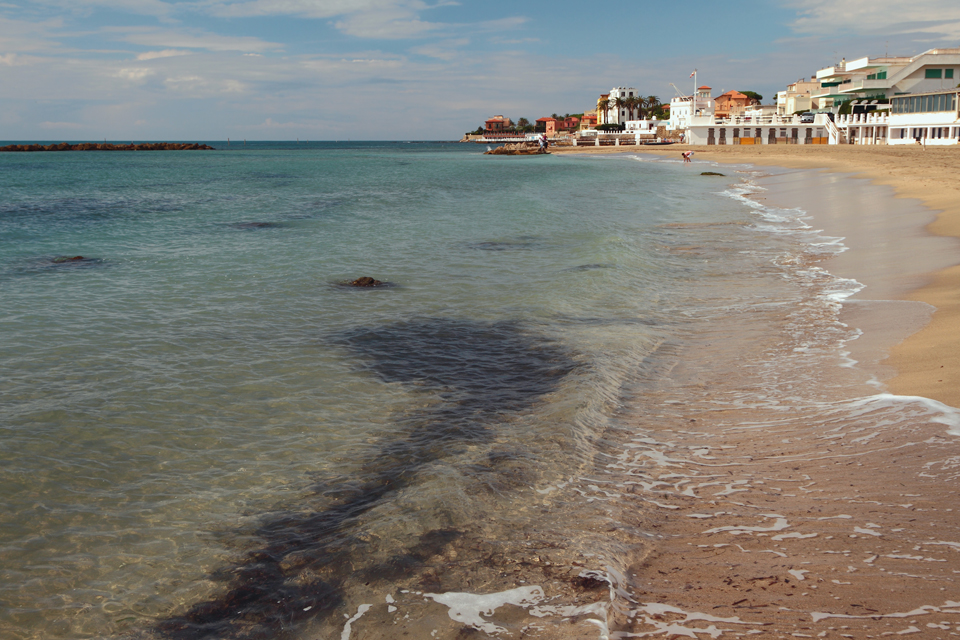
[{"x": 206, "y": 432}]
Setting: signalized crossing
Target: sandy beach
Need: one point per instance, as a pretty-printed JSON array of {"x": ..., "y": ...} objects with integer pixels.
[{"x": 818, "y": 527}]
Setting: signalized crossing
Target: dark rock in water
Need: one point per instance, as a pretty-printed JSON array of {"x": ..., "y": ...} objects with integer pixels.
[
  {"x": 525, "y": 242},
  {"x": 589, "y": 583},
  {"x": 365, "y": 282},
  {"x": 256, "y": 225},
  {"x": 62, "y": 259},
  {"x": 96, "y": 146},
  {"x": 711, "y": 173}
]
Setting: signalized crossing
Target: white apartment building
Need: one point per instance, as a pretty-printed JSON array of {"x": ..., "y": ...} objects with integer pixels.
[
  {"x": 933, "y": 70},
  {"x": 614, "y": 114}
]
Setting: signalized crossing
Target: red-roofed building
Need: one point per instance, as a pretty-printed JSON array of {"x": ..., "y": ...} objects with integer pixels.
[
  {"x": 497, "y": 123},
  {"x": 731, "y": 103},
  {"x": 547, "y": 125}
]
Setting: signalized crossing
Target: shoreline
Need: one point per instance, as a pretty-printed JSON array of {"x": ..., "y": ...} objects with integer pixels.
[
  {"x": 927, "y": 362},
  {"x": 826, "y": 516}
]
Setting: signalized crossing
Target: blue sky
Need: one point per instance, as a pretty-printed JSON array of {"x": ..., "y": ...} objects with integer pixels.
[{"x": 406, "y": 69}]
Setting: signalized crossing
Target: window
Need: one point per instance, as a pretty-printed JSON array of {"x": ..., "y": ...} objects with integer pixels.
[
  {"x": 933, "y": 73},
  {"x": 948, "y": 73}
]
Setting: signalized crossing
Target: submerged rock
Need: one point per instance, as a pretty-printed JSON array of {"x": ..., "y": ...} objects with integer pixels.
[
  {"x": 711, "y": 173},
  {"x": 62, "y": 259},
  {"x": 365, "y": 282},
  {"x": 256, "y": 225}
]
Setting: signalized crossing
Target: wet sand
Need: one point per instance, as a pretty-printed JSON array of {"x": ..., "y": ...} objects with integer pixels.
[
  {"x": 928, "y": 362},
  {"x": 778, "y": 521}
]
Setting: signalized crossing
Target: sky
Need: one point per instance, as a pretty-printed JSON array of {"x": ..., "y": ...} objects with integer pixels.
[{"x": 407, "y": 69}]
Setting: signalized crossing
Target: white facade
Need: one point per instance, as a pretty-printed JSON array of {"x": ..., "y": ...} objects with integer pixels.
[
  {"x": 933, "y": 70},
  {"x": 930, "y": 119},
  {"x": 617, "y": 116},
  {"x": 684, "y": 111},
  {"x": 643, "y": 126},
  {"x": 770, "y": 129}
]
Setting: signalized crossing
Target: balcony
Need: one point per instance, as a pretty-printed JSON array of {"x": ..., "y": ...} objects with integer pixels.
[
  {"x": 875, "y": 118},
  {"x": 856, "y": 86}
]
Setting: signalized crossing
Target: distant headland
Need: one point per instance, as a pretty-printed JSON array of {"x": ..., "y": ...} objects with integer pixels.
[{"x": 95, "y": 146}]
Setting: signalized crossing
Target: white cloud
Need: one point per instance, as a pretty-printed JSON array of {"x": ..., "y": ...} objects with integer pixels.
[
  {"x": 21, "y": 35},
  {"x": 135, "y": 74},
  {"x": 390, "y": 19},
  {"x": 200, "y": 86},
  {"x": 189, "y": 39},
  {"x": 166, "y": 53},
  {"x": 310, "y": 8},
  {"x": 155, "y": 8},
  {"x": 447, "y": 50},
  {"x": 385, "y": 26},
  {"x": 876, "y": 16}
]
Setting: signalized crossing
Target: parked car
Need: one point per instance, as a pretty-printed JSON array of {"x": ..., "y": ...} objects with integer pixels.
[{"x": 806, "y": 118}]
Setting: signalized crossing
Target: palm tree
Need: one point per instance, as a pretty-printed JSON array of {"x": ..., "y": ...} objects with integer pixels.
[
  {"x": 604, "y": 106},
  {"x": 618, "y": 102}
]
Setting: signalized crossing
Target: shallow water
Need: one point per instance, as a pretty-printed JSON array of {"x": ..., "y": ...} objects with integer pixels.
[{"x": 205, "y": 435}]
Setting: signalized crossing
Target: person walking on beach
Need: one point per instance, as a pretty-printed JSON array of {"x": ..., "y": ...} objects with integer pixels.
[{"x": 686, "y": 156}]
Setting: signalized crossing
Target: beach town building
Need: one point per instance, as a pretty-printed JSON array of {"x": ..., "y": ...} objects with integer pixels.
[
  {"x": 798, "y": 97},
  {"x": 622, "y": 113},
  {"x": 497, "y": 123},
  {"x": 925, "y": 118},
  {"x": 646, "y": 127},
  {"x": 603, "y": 108},
  {"x": 547, "y": 125},
  {"x": 886, "y": 77},
  {"x": 615, "y": 107},
  {"x": 684, "y": 108},
  {"x": 757, "y": 124},
  {"x": 588, "y": 121},
  {"x": 570, "y": 123},
  {"x": 731, "y": 103}
]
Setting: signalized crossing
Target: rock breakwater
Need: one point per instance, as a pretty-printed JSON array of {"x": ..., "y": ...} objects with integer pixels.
[{"x": 95, "y": 146}]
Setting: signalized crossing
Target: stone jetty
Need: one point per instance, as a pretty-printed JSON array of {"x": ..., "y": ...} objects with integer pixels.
[{"x": 96, "y": 146}]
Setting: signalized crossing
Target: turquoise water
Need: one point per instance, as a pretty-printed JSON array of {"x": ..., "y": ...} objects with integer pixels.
[{"x": 204, "y": 434}]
